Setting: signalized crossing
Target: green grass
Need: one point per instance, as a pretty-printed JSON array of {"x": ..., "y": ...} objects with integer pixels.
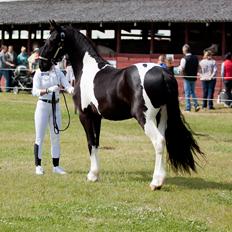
[{"x": 122, "y": 200}]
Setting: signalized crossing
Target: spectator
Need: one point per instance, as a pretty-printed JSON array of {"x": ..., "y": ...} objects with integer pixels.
[
  {"x": 226, "y": 73},
  {"x": 207, "y": 72},
  {"x": 169, "y": 64},
  {"x": 22, "y": 58},
  {"x": 162, "y": 61},
  {"x": 33, "y": 61},
  {"x": 4, "y": 66},
  {"x": 61, "y": 64},
  {"x": 188, "y": 68},
  {"x": 11, "y": 57},
  {"x": 69, "y": 71}
]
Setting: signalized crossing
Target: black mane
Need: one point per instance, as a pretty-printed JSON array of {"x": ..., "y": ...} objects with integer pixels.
[{"x": 84, "y": 44}]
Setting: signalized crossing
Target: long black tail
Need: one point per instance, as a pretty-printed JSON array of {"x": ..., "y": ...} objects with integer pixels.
[{"x": 182, "y": 148}]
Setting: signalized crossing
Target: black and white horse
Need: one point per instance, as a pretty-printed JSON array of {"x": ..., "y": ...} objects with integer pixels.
[{"x": 143, "y": 91}]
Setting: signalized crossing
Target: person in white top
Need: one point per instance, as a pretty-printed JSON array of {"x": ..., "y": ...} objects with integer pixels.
[
  {"x": 69, "y": 71},
  {"x": 188, "y": 68},
  {"x": 46, "y": 86},
  {"x": 70, "y": 75},
  {"x": 207, "y": 73}
]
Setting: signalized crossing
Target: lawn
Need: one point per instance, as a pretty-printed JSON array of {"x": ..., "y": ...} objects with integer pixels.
[{"x": 122, "y": 199}]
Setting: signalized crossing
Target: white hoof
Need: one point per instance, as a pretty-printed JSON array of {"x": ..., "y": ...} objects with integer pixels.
[
  {"x": 157, "y": 183},
  {"x": 155, "y": 187},
  {"x": 92, "y": 177}
]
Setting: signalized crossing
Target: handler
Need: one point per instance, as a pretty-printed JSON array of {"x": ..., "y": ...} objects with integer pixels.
[{"x": 46, "y": 86}]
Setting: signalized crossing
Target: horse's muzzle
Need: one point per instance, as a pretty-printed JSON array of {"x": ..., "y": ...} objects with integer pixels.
[{"x": 44, "y": 65}]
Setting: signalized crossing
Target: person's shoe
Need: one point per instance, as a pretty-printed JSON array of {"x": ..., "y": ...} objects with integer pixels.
[
  {"x": 39, "y": 170},
  {"x": 197, "y": 108},
  {"x": 59, "y": 170}
]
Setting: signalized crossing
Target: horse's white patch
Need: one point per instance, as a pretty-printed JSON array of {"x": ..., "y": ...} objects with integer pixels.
[
  {"x": 94, "y": 160},
  {"x": 90, "y": 69},
  {"x": 93, "y": 174},
  {"x": 143, "y": 69}
]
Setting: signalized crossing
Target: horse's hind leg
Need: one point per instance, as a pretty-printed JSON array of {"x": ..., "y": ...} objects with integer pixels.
[
  {"x": 157, "y": 137},
  {"x": 156, "y": 134},
  {"x": 92, "y": 124},
  {"x": 159, "y": 171}
]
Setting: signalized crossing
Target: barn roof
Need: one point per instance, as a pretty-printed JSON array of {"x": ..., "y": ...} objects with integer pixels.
[{"x": 80, "y": 11}]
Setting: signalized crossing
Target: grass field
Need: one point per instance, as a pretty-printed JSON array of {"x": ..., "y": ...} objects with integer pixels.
[{"x": 122, "y": 200}]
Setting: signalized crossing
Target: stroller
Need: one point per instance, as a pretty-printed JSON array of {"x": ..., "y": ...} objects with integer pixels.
[{"x": 22, "y": 79}]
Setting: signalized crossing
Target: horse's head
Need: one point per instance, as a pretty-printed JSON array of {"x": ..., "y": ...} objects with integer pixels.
[{"x": 53, "y": 49}]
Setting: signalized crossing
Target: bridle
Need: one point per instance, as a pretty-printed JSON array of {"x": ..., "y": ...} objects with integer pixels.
[{"x": 60, "y": 47}]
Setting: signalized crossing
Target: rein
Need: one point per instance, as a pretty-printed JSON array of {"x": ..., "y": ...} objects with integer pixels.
[
  {"x": 43, "y": 58},
  {"x": 55, "y": 125},
  {"x": 57, "y": 52}
]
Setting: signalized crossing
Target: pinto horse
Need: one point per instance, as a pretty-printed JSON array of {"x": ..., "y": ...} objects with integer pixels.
[{"x": 143, "y": 91}]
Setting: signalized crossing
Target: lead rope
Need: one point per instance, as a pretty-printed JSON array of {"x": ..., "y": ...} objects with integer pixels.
[{"x": 55, "y": 125}]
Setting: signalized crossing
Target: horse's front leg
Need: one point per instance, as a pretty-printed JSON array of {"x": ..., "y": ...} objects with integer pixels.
[
  {"x": 92, "y": 125},
  {"x": 93, "y": 174}
]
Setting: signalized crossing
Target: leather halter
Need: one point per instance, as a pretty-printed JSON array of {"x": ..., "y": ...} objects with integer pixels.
[{"x": 61, "y": 45}]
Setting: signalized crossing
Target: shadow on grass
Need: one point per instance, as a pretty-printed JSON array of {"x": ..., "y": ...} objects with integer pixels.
[
  {"x": 186, "y": 182},
  {"x": 197, "y": 183},
  {"x": 146, "y": 177}
]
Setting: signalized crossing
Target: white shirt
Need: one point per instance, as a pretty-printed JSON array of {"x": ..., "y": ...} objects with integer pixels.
[
  {"x": 208, "y": 69},
  {"x": 44, "y": 80},
  {"x": 181, "y": 67}
]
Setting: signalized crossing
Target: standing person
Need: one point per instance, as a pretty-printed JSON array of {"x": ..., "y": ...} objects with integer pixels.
[
  {"x": 11, "y": 57},
  {"x": 162, "y": 61},
  {"x": 4, "y": 67},
  {"x": 33, "y": 61},
  {"x": 69, "y": 71},
  {"x": 189, "y": 68},
  {"x": 22, "y": 58},
  {"x": 170, "y": 65},
  {"x": 226, "y": 73},
  {"x": 207, "y": 72},
  {"x": 46, "y": 87}
]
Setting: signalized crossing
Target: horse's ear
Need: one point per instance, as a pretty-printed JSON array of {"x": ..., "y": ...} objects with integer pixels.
[{"x": 54, "y": 26}]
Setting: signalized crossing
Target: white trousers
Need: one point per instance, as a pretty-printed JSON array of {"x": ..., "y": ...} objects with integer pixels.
[{"x": 43, "y": 117}]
